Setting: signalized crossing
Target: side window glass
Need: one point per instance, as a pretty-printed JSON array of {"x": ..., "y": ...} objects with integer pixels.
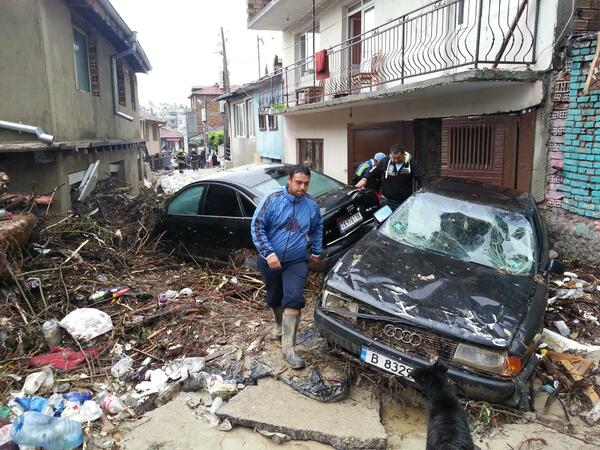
[
  {"x": 248, "y": 206},
  {"x": 221, "y": 201},
  {"x": 186, "y": 203}
]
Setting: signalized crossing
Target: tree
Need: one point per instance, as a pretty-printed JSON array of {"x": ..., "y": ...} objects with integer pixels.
[{"x": 215, "y": 138}]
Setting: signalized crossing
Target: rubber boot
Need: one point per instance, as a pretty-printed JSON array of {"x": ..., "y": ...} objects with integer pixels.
[
  {"x": 288, "y": 341},
  {"x": 276, "y": 331}
]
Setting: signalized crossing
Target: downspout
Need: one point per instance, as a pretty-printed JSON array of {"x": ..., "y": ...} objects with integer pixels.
[
  {"x": 38, "y": 131},
  {"x": 113, "y": 63}
]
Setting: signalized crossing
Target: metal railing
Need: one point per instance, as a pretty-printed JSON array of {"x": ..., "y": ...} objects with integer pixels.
[{"x": 444, "y": 36}]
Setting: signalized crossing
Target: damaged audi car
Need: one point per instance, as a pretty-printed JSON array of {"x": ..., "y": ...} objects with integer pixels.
[
  {"x": 210, "y": 219},
  {"x": 457, "y": 272}
]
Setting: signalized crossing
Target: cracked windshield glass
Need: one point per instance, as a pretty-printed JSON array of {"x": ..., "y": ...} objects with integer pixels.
[{"x": 488, "y": 236}]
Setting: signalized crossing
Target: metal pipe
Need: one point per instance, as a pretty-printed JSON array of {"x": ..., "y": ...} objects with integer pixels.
[
  {"x": 113, "y": 63},
  {"x": 38, "y": 131}
]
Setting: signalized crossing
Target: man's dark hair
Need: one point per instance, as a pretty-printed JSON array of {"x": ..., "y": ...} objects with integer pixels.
[
  {"x": 397, "y": 148},
  {"x": 300, "y": 168}
]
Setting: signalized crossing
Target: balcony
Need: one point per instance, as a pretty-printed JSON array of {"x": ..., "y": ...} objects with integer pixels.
[{"x": 443, "y": 38}]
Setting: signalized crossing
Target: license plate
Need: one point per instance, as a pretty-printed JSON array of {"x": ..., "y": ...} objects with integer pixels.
[
  {"x": 350, "y": 222},
  {"x": 385, "y": 363}
]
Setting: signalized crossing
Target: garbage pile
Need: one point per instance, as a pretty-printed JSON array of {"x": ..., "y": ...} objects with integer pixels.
[{"x": 100, "y": 323}]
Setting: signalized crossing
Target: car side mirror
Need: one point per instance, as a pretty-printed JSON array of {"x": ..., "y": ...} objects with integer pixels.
[
  {"x": 382, "y": 214},
  {"x": 555, "y": 266}
]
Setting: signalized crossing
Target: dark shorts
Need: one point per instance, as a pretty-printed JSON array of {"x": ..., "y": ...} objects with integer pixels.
[{"x": 285, "y": 287}]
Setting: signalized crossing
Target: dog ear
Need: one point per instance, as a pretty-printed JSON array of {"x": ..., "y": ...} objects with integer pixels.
[{"x": 440, "y": 366}]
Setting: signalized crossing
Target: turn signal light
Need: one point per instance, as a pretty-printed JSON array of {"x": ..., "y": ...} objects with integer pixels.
[{"x": 512, "y": 365}]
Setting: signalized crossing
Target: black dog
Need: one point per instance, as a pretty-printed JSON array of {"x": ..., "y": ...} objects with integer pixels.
[{"x": 448, "y": 428}]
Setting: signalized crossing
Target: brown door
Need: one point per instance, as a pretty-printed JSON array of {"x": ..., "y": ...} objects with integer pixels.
[
  {"x": 367, "y": 139},
  {"x": 481, "y": 148}
]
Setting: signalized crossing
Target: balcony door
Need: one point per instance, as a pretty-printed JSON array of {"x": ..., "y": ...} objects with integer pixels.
[{"x": 361, "y": 19}]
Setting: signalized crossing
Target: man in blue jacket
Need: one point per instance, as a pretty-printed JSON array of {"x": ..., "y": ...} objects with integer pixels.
[{"x": 281, "y": 226}]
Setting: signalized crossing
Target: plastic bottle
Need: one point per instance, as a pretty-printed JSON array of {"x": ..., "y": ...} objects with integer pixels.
[
  {"x": 5, "y": 215},
  {"x": 51, "y": 331},
  {"x": 50, "y": 433},
  {"x": 36, "y": 404},
  {"x": 121, "y": 367},
  {"x": 110, "y": 403}
]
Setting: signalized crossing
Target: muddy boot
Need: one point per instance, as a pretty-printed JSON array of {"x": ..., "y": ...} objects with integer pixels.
[
  {"x": 288, "y": 341},
  {"x": 276, "y": 330}
]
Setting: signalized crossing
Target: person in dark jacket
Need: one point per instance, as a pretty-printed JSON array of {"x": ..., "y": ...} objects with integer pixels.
[
  {"x": 194, "y": 157},
  {"x": 396, "y": 173},
  {"x": 281, "y": 224},
  {"x": 203, "y": 158}
]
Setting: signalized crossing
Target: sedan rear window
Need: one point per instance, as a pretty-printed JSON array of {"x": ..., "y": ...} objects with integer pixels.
[
  {"x": 319, "y": 184},
  {"x": 493, "y": 237}
]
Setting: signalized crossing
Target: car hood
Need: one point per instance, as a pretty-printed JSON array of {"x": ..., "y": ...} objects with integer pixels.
[{"x": 464, "y": 300}]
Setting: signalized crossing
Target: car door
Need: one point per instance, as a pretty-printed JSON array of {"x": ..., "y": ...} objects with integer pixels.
[
  {"x": 248, "y": 208},
  {"x": 222, "y": 220},
  {"x": 182, "y": 218}
]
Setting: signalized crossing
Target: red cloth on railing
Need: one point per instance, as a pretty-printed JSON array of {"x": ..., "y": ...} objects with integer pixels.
[{"x": 322, "y": 65}]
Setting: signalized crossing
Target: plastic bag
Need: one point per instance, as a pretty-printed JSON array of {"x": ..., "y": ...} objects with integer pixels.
[
  {"x": 121, "y": 367},
  {"x": 86, "y": 323},
  {"x": 41, "y": 381},
  {"x": 89, "y": 411},
  {"x": 319, "y": 388}
]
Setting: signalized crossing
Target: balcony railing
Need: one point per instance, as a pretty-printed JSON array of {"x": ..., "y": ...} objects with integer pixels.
[{"x": 445, "y": 36}]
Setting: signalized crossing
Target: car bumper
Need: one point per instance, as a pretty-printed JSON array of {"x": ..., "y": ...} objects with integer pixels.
[
  {"x": 333, "y": 252},
  {"x": 512, "y": 392}
]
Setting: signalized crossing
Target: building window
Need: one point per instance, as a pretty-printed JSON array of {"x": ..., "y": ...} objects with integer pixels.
[
  {"x": 306, "y": 49},
  {"x": 132, "y": 90},
  {"x": 272, "y": 122},
  {"x": 94, "y": 72},
  {"x": 82, "y": 68},
  {"x": 262, "y": 122},
  {"x": 154, "y": 132},
  {"x": 250, "y": 118},
  {"x": 311, "y": 149},
  {"x": 121, "y": 83},
  {"x": 240, "y": 120}
]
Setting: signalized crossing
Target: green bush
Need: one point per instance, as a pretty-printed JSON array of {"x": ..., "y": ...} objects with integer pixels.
[{"x": 215, "y": 138}]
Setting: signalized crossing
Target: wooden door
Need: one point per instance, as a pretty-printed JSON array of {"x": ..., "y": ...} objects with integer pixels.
[
  {"x": 364, "y": 140},
  {"x": 481, "y": 148}
]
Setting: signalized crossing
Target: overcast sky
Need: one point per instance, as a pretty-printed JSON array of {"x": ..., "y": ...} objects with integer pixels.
[{"x": 182, "y": 40}]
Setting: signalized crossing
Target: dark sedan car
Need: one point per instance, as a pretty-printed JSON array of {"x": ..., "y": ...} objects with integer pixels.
[
  {"x": 211, "y": 218},
  {"x": 458, "y": 272}
]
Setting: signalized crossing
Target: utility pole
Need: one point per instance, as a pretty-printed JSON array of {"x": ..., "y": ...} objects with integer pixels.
[
  {"x": 258, "y": 39},
  {"x": 313, "y": 45},
  {"x": 225, "y": 91}
]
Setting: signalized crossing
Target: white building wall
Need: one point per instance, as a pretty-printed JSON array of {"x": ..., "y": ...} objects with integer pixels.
[{"x": 332, "y": 125}]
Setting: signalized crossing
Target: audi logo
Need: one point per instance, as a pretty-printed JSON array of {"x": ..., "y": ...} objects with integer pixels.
[{"x": 408, "y": 337}]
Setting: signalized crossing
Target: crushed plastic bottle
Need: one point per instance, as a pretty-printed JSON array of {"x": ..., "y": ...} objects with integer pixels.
[
  {"x": 50, "y": 433},
  {"x": 51, "y": 332},
  {"x": 121, "y": 367},
  {"x": 55, "y": 405},
  {"x": 78, "y": 396},
  {"x": 110, "y": 402}
]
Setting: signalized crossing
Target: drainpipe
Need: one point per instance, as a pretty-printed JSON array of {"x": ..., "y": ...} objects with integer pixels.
[
  {"x": 38, "y": 131},
  {"x": 113, "y": 63}
]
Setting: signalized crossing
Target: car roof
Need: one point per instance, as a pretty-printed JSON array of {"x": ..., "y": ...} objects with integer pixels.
[
  {"x": 250, "y": 175},
  {"x": 482, "y": 193}
]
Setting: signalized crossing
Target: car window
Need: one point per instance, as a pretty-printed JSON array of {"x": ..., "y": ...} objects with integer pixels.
[
  {"x": 248, "y": 206},
  {"x": 186, "y": 203},
  {"x": 493, "y": 237},
  {"x": 319, "y": 184},
  {"x": 221, "y": 201}
]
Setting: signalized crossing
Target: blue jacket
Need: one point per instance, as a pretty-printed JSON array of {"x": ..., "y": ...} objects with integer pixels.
[{"x": 282, "y": 223}]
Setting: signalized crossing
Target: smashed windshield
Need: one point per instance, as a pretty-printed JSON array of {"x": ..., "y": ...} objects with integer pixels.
[
  {"x": 319, "y": 184},
  {"x": 493, "y": 237}
]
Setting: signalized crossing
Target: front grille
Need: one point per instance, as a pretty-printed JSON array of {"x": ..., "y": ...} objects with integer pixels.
[{"x": 431, "y": 345}]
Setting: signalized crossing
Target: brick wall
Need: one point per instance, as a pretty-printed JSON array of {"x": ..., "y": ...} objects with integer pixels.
[
  {"x": 587, "y": 15},
  {"x": 577, "y": 177},
  {"x": 254, "y": 7},
  {"x": 215, "y": 117}
]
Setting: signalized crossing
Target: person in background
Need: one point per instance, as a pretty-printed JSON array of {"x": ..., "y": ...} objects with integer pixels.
[
  {"x": 308, "y": 164},
  {"x": 181, "y": 159},
  {"x": 203, "y": 158},
  {"x": 364, "y": 168},
  {"x": 396, "y": 173},
  {"x": 194, "y": 157},
  {"x": 215, "y": 160},
  {"x": 281, "y": 226}
]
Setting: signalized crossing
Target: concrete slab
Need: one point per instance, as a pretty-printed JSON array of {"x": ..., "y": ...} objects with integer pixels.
[
  {"x": 274, "y": 406},
  {"x": 175, "y": 427}
]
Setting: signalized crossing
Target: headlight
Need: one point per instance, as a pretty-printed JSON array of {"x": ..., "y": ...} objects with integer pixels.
[
  {"x": 339, "y": 305},
  {"x": 490, "y": 361}
]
